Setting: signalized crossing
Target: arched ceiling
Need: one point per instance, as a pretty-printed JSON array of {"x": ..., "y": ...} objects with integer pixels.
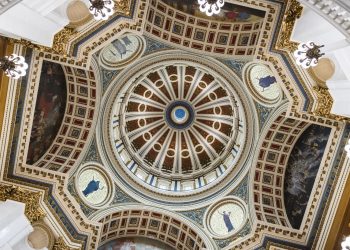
[{"x": 176, "y": 127}]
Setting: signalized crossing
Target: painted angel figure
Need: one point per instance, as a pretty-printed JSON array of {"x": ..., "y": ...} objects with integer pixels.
[{"x": 227, "y": 220}]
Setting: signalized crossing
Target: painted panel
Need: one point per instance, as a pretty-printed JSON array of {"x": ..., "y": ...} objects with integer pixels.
[
  {"x": 229, "y": 12},
  {"x": 49, "y": 110},
  {"x": 134, "y": 243},
  {"x": 302, "y": 168}
]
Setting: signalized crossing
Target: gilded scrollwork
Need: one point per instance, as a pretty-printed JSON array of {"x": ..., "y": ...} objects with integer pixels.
[
  {"x": 324, "y": 102},
  {"x": 60, "y": 43},
  {"x": 33, "y": 211},
  {"x": 60, "y": 244},
  {"x": 293, "y": 13},
  {"x": 122, "y": 6}
]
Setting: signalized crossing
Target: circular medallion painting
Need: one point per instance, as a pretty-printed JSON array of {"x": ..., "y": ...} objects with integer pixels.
[
  {"x": 226, "y": 217},
  {"x": 121, "y": 51},
  {"x": 93, "y": 185},
  {"x": 263, "y": 84}
]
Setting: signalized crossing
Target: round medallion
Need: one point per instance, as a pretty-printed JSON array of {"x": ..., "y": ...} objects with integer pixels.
[
  {"x": 263, "y": 84},
  {"x": 226, "y": 217},
  {"x": 93, "y": 185},
  {"x": 122, "y": 51}
]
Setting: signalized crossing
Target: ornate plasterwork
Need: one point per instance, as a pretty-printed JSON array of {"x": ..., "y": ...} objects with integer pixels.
[
  {"x": 128, "y": 77},
  {"x": 83, "y": 60},
  {"x": 293, "y": 12},
  {"x": 33, "y": 211}
]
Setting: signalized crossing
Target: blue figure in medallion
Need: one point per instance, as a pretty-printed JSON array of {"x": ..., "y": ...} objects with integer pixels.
[
  {"x": 227, "y": 220},
  {"x": 266, "y": 81},
  {"x": 92, "y": 187}
]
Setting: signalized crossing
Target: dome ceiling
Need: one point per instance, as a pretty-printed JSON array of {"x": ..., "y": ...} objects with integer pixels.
[
  {"x": 180, "y": 120},
  {"x": 178, "y": 124},
  {"x": 172, "y": 131}
]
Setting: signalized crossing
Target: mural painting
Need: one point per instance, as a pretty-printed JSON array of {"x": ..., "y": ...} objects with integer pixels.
[
  {"x": 121, "y": 51},
  {"x": 49, "y": 110},
  {"x": 264, "y": 83},
  {"x": 229, "y": 12},
  {"x": 302, "y": 168},
  {"x": 93, "y": 185},
  {"x": 226, "y": 218},
  {"x": 134, "y": 243}
]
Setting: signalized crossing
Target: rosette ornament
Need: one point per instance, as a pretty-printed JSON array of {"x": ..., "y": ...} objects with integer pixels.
[
  {"x": 101, "y": 9},
  {"x": 210, "y": 7},
  {"x": 308, "y": 54},
  {"x": 14, "y": 66}
]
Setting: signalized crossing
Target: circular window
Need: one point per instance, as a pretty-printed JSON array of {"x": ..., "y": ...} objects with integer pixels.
[
  {"x": 93, "y": 185},
  {"x": 225, "y": 218},
  {"x": 263, "y": 84},
  {"x": 121, "y": 51}
]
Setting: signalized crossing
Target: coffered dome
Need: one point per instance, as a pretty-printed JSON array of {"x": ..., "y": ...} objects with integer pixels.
[{"x": 177, "y": 124}]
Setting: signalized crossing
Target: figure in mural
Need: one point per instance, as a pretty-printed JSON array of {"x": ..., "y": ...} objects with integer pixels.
[
  {"x": 120, "y": 46},
  {"x": 301, "y": 171},
  {"x": 266, "y": 81},
  {"x": 227, "y": 220},
  {"x": 92, "y": 187},
  {"x": 49, "y": 110}
]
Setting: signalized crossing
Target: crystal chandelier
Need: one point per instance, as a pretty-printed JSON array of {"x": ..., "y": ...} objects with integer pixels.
[
  {"x": 14, "y": 66},
  {"x": 307, "y": 54},
  {"x": 101, "y": 9},
  {"x": 210, "y": 7}
]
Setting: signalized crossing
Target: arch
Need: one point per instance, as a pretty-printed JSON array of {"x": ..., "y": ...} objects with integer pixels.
[
  {"x": 276, "y": 144},
  {"x": 79, "y": 117},
  {"x": 151, "y": 222}
]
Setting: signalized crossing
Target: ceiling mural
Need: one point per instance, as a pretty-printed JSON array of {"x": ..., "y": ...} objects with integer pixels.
[
  {"x": 121, "y": 51},
  {"x": 229, "y": 12},
  {"x": 49, "y": 110},
  {"x": 134, "y": 243},
  {"x": 163, "y": 128},
  {"x": 302, "y": 168}
]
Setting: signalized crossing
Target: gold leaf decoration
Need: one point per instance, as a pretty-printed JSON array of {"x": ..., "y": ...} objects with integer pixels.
[
  {"x": 60, "y": 41},
  {"x": 324, "y": 102},
  {"x": 122, "y": 6},
  {"x": 33, "y": 211},
  {"x": 61, "y": 245},
  {"x": 293, "y": 13}
]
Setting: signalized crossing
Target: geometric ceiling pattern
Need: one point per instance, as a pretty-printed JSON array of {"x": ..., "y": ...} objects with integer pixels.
[{"x": 164, "y": 124}]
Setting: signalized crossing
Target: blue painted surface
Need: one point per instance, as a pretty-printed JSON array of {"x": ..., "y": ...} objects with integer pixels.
[
  {"x": 180, "y": 113},
  {"x": 266, "y": 81},
  {"x": 93, "y": 186}
]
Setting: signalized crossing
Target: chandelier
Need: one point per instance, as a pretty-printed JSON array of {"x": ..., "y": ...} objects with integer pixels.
[
  {"x": 210, "y": 7},
  {"x": 307, "y": 54},
  {"x": 14, "y": 66},
  {"x": 101, "y": 9},
  {"x": 346, "y": 244}
]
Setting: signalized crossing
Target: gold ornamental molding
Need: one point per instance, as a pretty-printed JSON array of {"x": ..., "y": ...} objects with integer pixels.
[
  {"x": 60, "y": 42},
  {"x": 62, "y": 38},
  {"x": 33, "y": 211},
  {"x": 293, "y": 13},
  {"x": 61, "y": 245}
]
